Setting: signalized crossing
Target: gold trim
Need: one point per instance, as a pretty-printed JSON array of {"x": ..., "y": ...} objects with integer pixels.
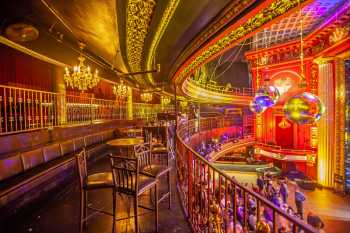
[
  {"x": 168, "y": 14},
  {"x": 264, "y": 16},
  {"x": 139, "y": 15},
  {"x": 39, "y": 56},
  {"x": 25, "y": 50}
]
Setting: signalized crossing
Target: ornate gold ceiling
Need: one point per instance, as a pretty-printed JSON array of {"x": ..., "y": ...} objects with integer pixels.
[{"x": 139, "y": 16}]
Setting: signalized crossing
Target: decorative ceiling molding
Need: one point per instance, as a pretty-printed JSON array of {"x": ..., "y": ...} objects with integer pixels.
[
  {"x": 256, "y": 20},
  {"x": 224, "y": 18},
  {"x": 139, "y": 15},
  {"x": 289, "y": 28},
  {"x": 167, "y": 16},
  {"x": 315, "y": 44}
]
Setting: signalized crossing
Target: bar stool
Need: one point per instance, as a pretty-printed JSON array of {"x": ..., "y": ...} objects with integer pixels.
[
  {"x": 149, "y": 167},
  {"x": 101, "y": 180},
  {"x": 129, "y": 181}
]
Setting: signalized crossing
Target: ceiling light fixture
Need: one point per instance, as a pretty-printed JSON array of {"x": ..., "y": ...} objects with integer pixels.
[
  {"x": 165, "y": 100},
  {"x": 81, "y": 77},
  {"x": 120, "y": 89},
  {"x": 146, "y": 97}
]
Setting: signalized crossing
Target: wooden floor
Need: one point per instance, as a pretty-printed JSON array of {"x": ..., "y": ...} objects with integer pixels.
[{"x": 60, "y": 213}]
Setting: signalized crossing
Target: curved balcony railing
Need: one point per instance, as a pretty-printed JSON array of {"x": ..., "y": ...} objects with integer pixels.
[
  {"x": 223, "y": 89},
  {"x": 214, "y": 94},
  {"x": 210, "y": 198}
]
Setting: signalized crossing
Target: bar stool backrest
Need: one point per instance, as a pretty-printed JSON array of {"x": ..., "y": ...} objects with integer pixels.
[
  {"x": 81, "y": 165},
  {"x": 143, "y": 154},
  {"x": 125, "y": 172}
]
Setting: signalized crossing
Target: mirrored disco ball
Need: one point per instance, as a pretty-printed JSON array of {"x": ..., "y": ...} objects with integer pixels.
[
  {"x": 267, "y": 96},
  {"x": 255, "y": 107},
  {"x": 304, "y": 108}
]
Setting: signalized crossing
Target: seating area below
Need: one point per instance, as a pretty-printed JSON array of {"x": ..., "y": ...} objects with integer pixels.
[
  {"x": 60, "y": 212},
  {"x": 33, "y": 164}
]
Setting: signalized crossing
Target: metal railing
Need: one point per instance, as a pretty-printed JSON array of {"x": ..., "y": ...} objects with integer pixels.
[
  {"x": 149, "y": 111},
  {"x": 212, "y": 201},
  {"x": 223, "y": 89},
  {"x": 24, "y": 109},
  {"x": 86, "y": 109}
]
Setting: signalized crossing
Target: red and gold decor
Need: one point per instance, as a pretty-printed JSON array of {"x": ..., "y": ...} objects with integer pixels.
[
  {"x": 146, "y": 97},
  {"x": 81, "y": 76},
  {"x": 120, "y": 90}
]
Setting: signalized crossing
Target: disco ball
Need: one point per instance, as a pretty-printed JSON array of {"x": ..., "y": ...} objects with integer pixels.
[
  {"x": 267, "y": 96},
  {"x": 256, "y": 107},
  {"x": 304, "y": 108}
]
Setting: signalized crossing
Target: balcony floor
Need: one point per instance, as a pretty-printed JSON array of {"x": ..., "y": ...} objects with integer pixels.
[{"x": 61, "y": 212}]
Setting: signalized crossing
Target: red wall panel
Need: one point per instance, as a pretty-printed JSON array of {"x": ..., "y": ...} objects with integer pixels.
[{"x": 21, "y": 70}]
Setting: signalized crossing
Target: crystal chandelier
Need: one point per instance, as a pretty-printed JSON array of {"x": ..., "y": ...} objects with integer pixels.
[
  {"x": 165, "y": 100},
  {"x": 146, "y": 97},
  {"x": 81, "y": 77},
  {"x": 120, "y": 90}
]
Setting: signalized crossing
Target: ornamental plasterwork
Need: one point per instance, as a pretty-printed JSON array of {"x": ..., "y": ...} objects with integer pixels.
[
  {"x": 167, "y": 15},
  {"x": 265, "y": 15},
  {"x": 227, "y": 15},
  {"x": 139, "y": 15}
]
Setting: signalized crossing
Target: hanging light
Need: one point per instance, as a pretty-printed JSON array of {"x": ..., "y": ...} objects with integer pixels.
[
  {"x": 305, "y": 108},
  {"x": 81, "y": 76},
  {"x": 284, "y": 124},
  {"x": 183, "y": 104},
  {"x": 120, "y": 90},
  {"x": 302, "y": 83},
  {"x": 267, "y": 95},
  {"x": 165, "y": 100},
  {"x": 146, "y": 97}
]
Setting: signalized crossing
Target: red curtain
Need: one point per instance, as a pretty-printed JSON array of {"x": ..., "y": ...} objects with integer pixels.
[
  {"x": 284, "y": 137},
  {"x": 21, "y": 70}
]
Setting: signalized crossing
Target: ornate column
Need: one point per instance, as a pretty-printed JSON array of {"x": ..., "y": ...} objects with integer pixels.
[
  {"x": 340, "y": 94},
  {"x": 129, "y": 113},
  {"x": 60, "y": 88},
  {"x": 326, "y": 125}
]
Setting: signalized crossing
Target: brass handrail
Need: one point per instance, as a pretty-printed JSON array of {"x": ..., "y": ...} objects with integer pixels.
[{"x": 187, "y": 157}]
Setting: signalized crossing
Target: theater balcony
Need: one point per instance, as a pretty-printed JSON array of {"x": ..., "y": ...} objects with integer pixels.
[{"x": 215, "y": 116}]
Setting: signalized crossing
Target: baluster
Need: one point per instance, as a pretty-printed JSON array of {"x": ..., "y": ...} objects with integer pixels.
[
  {"x": 257, "y": 210},
  {"x": 15, "y": 109},
  {"x": 20, "y": 101},
  {"x": 208, "y": 196},
  {"x": 226, "y": 213},
  {"x": 234, "y": 207},
  {"x": 245, "y": 201},
  {"x": 10, "y": 109},
  {"x": 1, "y": 116},
  {"x": 274, "y": 220},
  {"x": 36, "y": 114}
]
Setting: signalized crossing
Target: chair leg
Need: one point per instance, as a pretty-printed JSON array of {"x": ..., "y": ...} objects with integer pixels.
[
  {"x": 136, "y": 204},
  {"x": 156, "y": 207},
  {"x": 169, "y": 188},
  {"x": 82, "y": 209},
  {"x": 114, "y": 209}
]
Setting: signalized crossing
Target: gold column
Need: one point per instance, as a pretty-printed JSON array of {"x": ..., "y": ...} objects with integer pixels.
[
  {"x": 60, "y": 88},
  {"x": 339, "y": 124},
  {"x": 129, "y": 105},
  {"x": 326, "y": 125}
]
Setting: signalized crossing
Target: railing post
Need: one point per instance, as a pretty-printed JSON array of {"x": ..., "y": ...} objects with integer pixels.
[
  {"x": 41, "y": 110},
  {"x": 61, "y": 104},
  {"x": 189, "y": 183},
  {"x": 91, "y": 119}
]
